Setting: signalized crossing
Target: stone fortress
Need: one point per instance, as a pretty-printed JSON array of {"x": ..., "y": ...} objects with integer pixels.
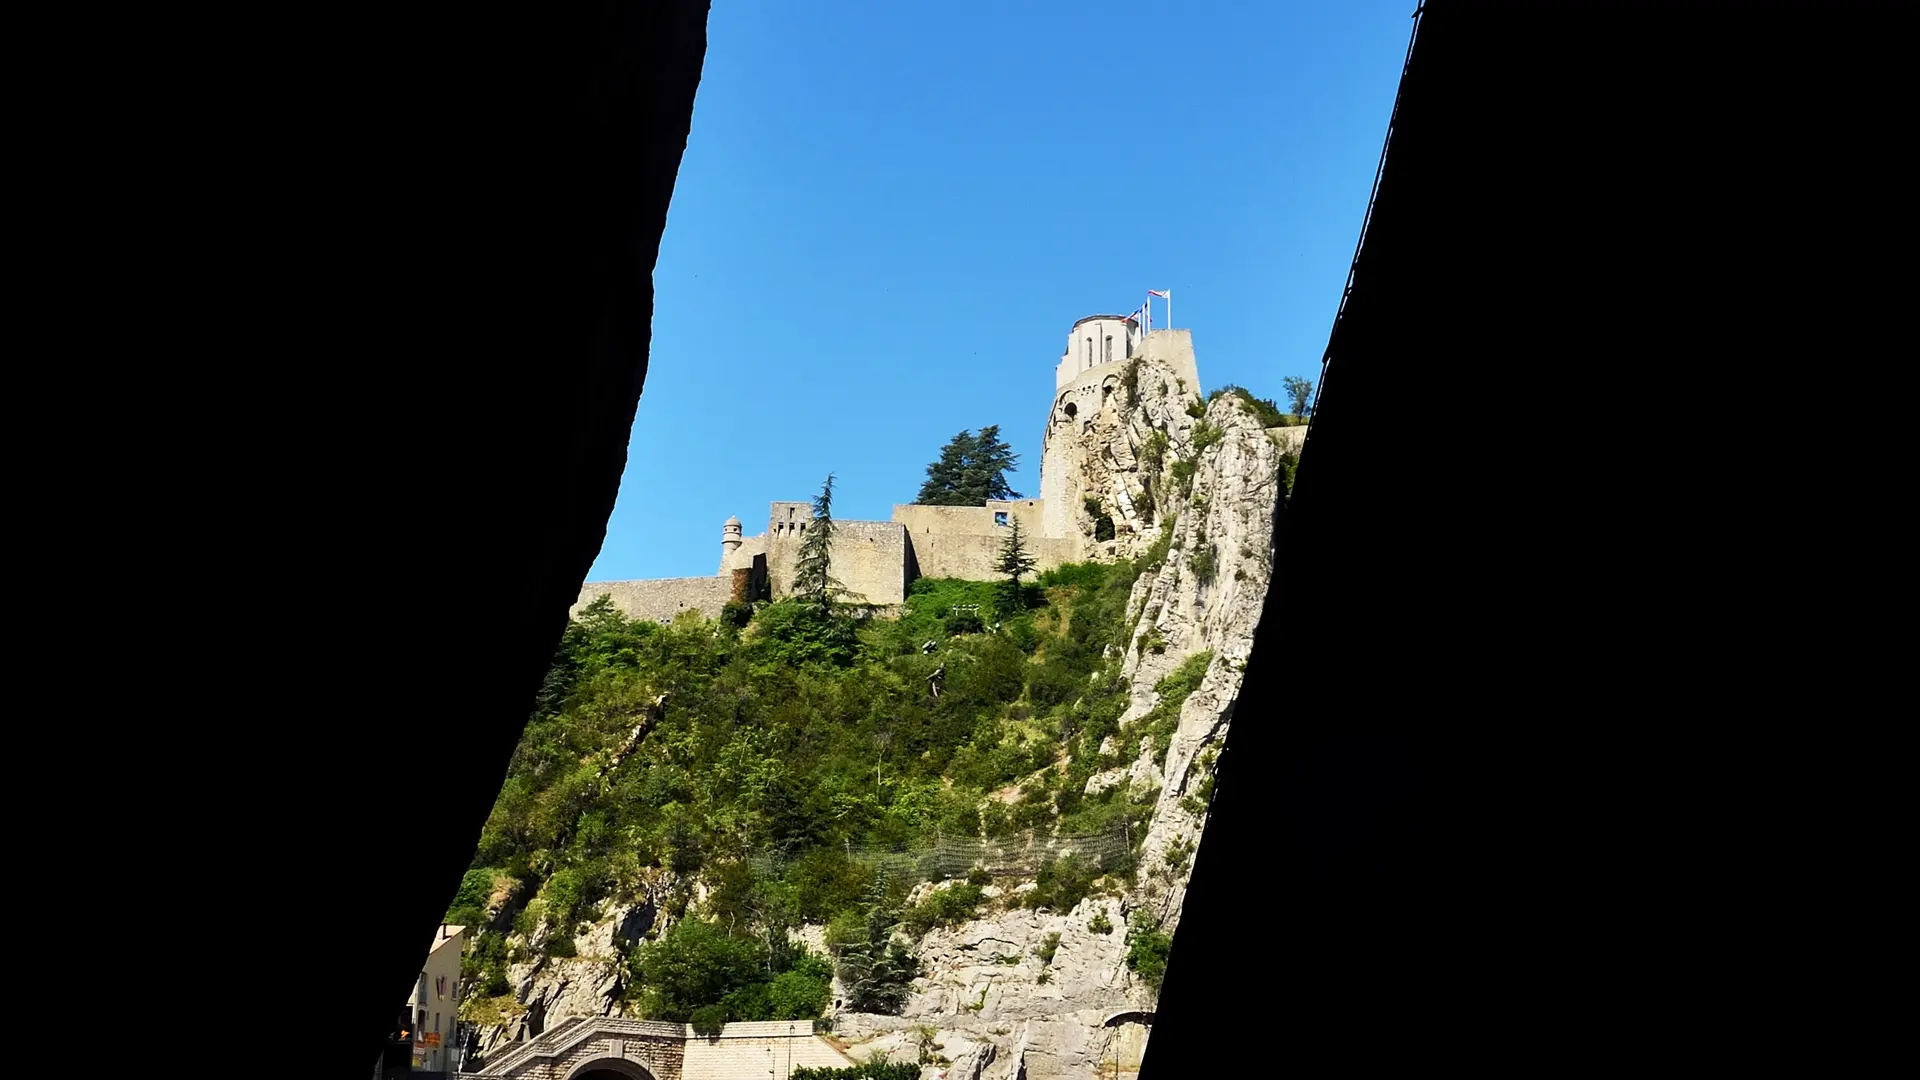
[
  {"x": 878, "y": 560},
  {"x": 1135, "y": 460}
]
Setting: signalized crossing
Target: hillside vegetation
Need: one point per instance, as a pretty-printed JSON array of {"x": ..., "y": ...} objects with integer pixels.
[{"x": 785, "y": 737}]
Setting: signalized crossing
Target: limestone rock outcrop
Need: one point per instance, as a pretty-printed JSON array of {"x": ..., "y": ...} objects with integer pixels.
[
  {"x": 1210, "y": 497},
  {"x": 1195, "y": 488}
]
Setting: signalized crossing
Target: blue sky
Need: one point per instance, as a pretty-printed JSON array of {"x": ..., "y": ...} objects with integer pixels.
[{"x": 890, "y": 213}]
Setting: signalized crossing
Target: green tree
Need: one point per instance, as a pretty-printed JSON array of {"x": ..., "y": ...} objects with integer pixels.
[
  {"x": 1263, "y": 409},
  {"x": 695, "y": 965},
  {"x": 813, "y": 581},
  {"x": 1147, "y": 950},
  {"x": 874, "y": 968},
  {"x": 1300, "y": 391},
  {"x": 802, "y": 991},
  {"x": 970, "y": 471},
  {"x": 1015, "y": 562},
  {"x": 945, "y": 476}
]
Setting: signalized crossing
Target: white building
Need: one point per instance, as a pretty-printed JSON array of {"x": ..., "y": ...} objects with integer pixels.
[{"x": 435, "y": 1003}]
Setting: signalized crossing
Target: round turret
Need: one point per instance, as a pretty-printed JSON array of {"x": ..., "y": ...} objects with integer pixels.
[
  {"x": 1096, "y": 341},
  {"x": 729, "y": 542}
]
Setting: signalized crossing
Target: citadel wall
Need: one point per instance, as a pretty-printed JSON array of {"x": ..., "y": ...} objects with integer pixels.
[
  {"x": 660, "y": 599},
  {"x": 977, "y": 558},
  {"x": 1174, "y": 348},
  {"x": 876, "y": 560},
  {"x": 1291, "y": 439},
  {"x": 868, "y": 557},
  {"x": 965, "y": 541}
]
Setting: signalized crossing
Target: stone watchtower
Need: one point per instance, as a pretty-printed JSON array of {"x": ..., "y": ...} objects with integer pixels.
[
  {"x": 1089, "y": 371},
  {"x": 729, "y": 540}
]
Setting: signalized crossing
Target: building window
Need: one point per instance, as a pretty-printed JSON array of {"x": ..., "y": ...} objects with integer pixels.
[
  {"x": 1109, "y": 358},
  {"x": 1000, "y": 518},
  {"x": 1089, "y": 352}
]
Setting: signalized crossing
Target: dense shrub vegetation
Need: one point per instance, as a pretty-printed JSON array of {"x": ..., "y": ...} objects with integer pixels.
[
  {"x": 871, "y": 1071},
  {"x": 1147, "y": 950},
  {"x": 773, "y": 740},
  {"x": 1263, "y": 409}
]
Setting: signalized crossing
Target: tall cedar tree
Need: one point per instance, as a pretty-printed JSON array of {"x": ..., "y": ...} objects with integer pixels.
[
  {"x": 811, "y": 580},
  {"x": 1015, "y": 562},
  {"x": 877, "y": 970},
  {"x": 971, "y": 470}
]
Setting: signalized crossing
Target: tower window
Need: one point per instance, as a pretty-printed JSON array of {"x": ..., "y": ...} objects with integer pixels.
[
  {"x": 1089, "y": 352},
  {"x": 1109, "y": 358},
  {"x": 1000, "y": 518}
]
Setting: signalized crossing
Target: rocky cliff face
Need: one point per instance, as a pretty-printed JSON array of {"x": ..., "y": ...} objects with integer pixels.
[
  {"x": 1120, "y": 455},
  {"x": 987, "y": 1006},
  {"x": 991, "y": 1019}
]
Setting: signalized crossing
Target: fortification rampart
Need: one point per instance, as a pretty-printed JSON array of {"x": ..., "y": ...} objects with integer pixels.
[
  {"x": 869, "y": 558},
  {"x": 1290, "y": 439},
  {"x": 1174, "y": 348},
  {"x": 977, "y": 558},
  {"x": 987, "y": 520},
  {"x": 660, "y": 599},
  {"x": 876, "y": 560}
]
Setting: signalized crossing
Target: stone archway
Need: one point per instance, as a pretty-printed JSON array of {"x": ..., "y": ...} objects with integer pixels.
[{"x": 610, "y": 1068}]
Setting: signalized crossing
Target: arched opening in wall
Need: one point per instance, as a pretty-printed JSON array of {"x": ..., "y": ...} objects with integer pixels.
[
  {"x": 1072, "y": 410},
  {"x": 610, "y": 1069}
]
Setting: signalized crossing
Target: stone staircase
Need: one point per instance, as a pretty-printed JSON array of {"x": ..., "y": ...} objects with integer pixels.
[
  {"x": 741, "y": 1051},
  {"x": 547, "y": 1041}
]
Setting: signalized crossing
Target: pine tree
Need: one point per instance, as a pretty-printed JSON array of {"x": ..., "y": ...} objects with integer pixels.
[
  {"x": 945, "y": 476},
  {"x": 877, "y": 970},
  {"x": 1015, "y": 562},
  {"x": 970, "y": 471},
  {"x": 985, "y": 470},
  {"x": 812, "y": 580}
]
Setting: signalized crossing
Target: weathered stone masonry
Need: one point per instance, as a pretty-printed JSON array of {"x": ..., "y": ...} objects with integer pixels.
[{"x": 877, "y": 560}]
